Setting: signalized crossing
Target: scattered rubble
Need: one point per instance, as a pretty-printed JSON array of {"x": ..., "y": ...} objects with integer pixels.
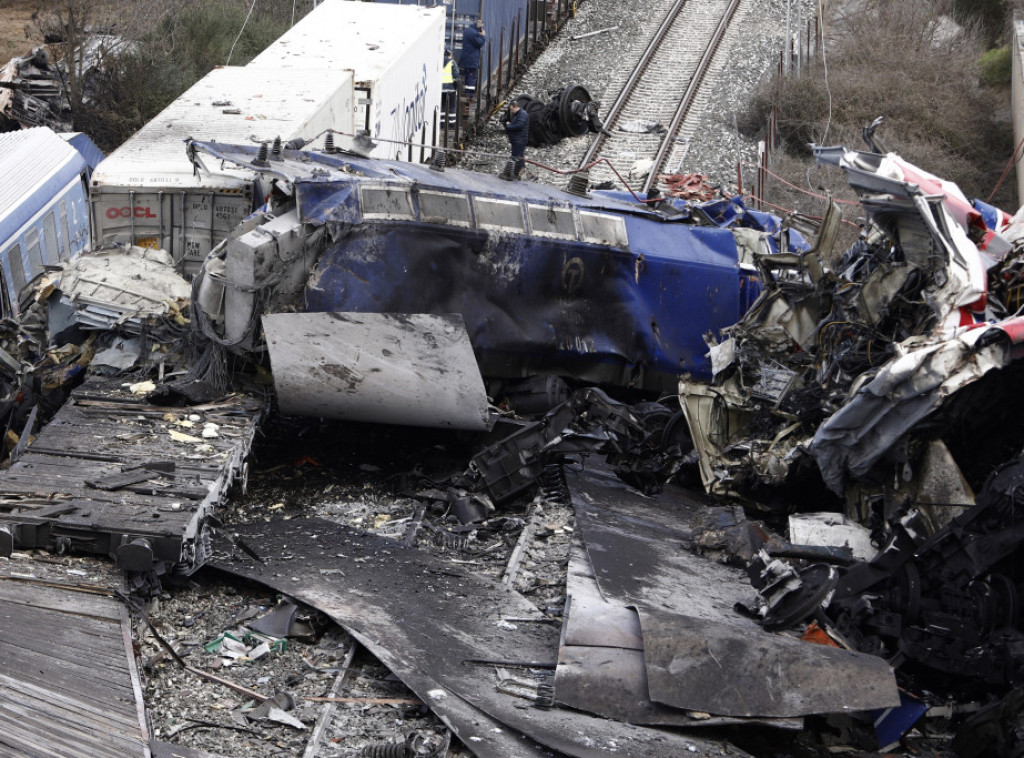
[
  {"x": 34, "y": 92},
  {"x": 815, "y": 540},
  {"x": 448, "y": 570}
]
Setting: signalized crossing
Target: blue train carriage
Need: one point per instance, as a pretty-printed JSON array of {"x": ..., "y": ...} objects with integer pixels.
[
  {"x": 600, "y": 289},
  {"x": 44, "y": 209}
]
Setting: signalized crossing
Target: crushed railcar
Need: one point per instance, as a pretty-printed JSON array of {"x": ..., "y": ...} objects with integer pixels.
[
  {"x": 594, "y": 287},
  {"x": 846, "y": 353},
  {"x": 44, "y": 209}
]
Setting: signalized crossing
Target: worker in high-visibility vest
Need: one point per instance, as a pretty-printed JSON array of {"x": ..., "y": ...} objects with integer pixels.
[{"x": 449, "y": 82}]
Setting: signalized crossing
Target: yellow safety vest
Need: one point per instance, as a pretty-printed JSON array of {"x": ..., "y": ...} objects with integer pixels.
[{"x": 446, "y": 73}]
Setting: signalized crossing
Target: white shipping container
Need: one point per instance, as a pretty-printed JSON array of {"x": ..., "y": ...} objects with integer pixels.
[
  {"x": 396, "y": 55},
  {"x": 147, "y": 193}
]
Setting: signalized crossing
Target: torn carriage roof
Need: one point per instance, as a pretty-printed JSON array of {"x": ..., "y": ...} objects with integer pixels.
[{"x": 590, "y": 286}]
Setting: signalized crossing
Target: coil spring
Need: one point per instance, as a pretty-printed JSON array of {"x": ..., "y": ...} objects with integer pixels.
[
  {"x": 423, "y": 744},
  {"x": 387, "y": 750},
  {"x": 553, "y": 486},
  {"x": 449, "y": 541},
  {"x": 545, "y": 694}
]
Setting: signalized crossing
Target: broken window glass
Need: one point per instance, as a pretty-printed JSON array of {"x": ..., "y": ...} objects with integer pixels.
[
  {"x": 65, "y": 242},
  {"x": 603, "y": 229},
  {"x": 386, "y": 203},
  {"x": 444, "y": 208},
  {"x": 13, "y": 255},
  {"x": 548, "y": 221},
  {"x": 500, "y": 215},
  {"x": 50, "y": 238},
  {"x": 35, "y": 254}
]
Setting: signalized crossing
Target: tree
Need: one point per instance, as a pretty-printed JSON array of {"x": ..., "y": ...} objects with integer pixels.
[
  {"x": 83, "y": 33},
  {"x": 127, "y": 59}
]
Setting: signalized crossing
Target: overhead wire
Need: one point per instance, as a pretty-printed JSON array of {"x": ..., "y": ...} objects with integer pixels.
[
  {"x": 1014, "y": 157},
  {"x": 240, "y": 31},
  {"x": 824, "y": 63},
  {"x": 801, "y": 189}
]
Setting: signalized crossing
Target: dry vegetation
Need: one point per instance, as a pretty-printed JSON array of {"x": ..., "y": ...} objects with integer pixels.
[
  {"x": 898, "y": 60},
  {"x": 17, "y": 34},
  {"x": 150, "y": 50},
  {"x": 910, "y": 64}
]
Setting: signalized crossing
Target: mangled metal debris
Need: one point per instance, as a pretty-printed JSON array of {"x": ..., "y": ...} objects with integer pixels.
[
  {"x": 631, "y": 436},
  {"x": 125, "y": 288},
  {"x": 354, "y": 235},
  {"x": 944, "y": 605},
  {"x": 700, "y": 654},
  {"x": 441, "y": 631},
  {"x": 111, "y": 473},
  {"x": 569, "y": 113},
  {"x": 79, "y": 486},
  {"x": 34, "y": 92},
  {"x": 841, "y": 356},
  {"x": 414, "y": 369},
  {"x": 881, "y": 382}
]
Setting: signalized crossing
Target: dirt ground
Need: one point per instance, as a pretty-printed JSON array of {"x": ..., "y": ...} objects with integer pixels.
[{"x": 15, "y": 16}]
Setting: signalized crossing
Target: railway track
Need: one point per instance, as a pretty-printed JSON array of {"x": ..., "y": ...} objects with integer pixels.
[{"x": 664, "y": 89}]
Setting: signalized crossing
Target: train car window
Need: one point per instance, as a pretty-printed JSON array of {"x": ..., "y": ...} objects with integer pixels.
[
  {"x": 65, "y": 229},
  {"x": 389, "y": 203},
  {"x": 603, "y": 229},
  {"x": 17, "y": 264},
  {"x": 444, "y": 208},
  {"x": 35, "y": 254},
  {"x": 50, "y": 251},
  {"x": 499, "y": 215},
  {"x": 549, "y": 221}
]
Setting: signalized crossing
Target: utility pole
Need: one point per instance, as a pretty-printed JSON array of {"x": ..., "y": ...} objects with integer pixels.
[
  {"x": 788, "y": 47},
  {"x": 800, "y": 52}
]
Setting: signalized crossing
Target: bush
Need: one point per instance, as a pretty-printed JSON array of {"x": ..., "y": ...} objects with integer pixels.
[
  {"x": 900, "y": 61},
  {"x": 176, "y": 43},
  {"x": 997, "y": 67},
  {"x": 990, "y": 15}
]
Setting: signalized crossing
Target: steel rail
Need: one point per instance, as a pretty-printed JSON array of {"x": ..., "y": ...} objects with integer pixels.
[
  {"x": 630, "y": 85},
  {"x": 690, "y": 95}
]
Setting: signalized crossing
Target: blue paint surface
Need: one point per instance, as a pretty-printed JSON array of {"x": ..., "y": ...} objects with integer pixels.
[{"x": 630, "y": 308}]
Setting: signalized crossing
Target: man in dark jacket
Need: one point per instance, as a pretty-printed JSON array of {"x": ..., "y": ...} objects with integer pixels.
[
  {"x": 473, "y": 40},
  {"x": 518, "y": 129}
]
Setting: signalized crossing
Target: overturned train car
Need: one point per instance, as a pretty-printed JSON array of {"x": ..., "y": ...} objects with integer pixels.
[{"x": 596, "y": 287}]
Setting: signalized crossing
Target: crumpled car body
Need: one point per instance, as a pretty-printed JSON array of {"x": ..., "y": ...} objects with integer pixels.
[
  {"x": 841, "y": 372},
  {"x": 598, "y": 288}
]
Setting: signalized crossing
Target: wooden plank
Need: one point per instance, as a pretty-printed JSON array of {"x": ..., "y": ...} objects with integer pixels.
[
  {"x": 65, "y": 737},
  {"x": 82, "y": 642},
  {"x": 41, "y": 668},
  {"x": 51, "y": 702},
  {"x": 67, "y": 686},
  {"x": 59, "y": 599}
]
